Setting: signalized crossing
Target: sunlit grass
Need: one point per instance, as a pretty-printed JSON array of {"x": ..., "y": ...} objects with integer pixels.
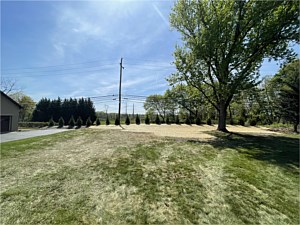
[{"x": 112, "y": 177}]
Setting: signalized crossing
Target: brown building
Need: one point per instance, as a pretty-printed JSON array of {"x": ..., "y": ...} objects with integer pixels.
[{"x": 9, "y": 113}]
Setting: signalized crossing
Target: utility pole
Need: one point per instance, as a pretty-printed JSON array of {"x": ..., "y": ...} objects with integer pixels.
[{"x": 120, "y": 86}]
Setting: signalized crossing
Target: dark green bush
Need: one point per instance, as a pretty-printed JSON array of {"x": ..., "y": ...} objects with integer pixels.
[
  {"x": 209, "y": 121},
  {"x": 117, "y": 121},
  {"x": 107, "y": 122},
  {"x": 33, "y": 124},
  {"x": 147, "y": 120},
  {"x": 252, "y": 122},
  {"x": 61, "y": 122},
  {"x": 198, "y": 121},
  {"x": 241, "y": 121},
  {"x": 127, "y": 121},
  {"x": 79, "y": 122},
  {"x": 51, "y": 122},
  {"x": 88, "y": 122},
  {"x": 177, "y": 120},
  {"x": 188, "y": 121},
  {"x": 157, "y": 120},
  {"x": 231, "y": 121},
  {"x": 137, "y": 120},
  {"x": 98, "y": 121},
  {"x": 71, "y": 122},
  {"x": 168, "y": 120}
]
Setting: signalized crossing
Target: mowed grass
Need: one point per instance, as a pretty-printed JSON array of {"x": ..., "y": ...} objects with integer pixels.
[{"x": 99, "y": 176}]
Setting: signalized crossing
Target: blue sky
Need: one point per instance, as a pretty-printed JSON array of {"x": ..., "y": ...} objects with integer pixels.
[{"x": 73, "y": 48}]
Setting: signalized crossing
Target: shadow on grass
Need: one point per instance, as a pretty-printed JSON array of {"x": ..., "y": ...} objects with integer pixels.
[{"x": 279, "y": 150}]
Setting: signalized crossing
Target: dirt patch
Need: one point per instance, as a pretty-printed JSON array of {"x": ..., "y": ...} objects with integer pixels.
[{"x": 184, "y": 131}]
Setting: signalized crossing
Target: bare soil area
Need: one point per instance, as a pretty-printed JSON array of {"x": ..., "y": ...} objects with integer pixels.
[{"x": 185, "y": 131}]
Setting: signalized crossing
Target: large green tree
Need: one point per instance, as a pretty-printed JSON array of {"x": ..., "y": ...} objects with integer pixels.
[
  {"x": 225, "y": 42},
  {"x": 287, "y": 81}
]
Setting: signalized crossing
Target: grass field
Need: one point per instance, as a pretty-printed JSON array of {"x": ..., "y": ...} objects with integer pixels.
[{"x": 91, "y": 176}]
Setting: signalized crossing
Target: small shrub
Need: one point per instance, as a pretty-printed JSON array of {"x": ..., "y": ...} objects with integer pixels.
[
  {"x": 98, "y": 121},
  {"x": 107, "y": 122},
  {"x": 147, "y": 120},
  {"x": 33, "y": 124},
  {"x": 231, "y": 121},
  {"x": 252, "y": 122},
  {"x": 79, "y": 122},
  {"x": 209, "y": 121},
  {"x": 177, "y": 120},
  {"x": 88, "y": 122},
  {"x": 157, "y": 120},
  {"x": 71, "y": 122},
  {"x": 117, "y": 121},
  {"x": 198, "y": 121},
  {"x": 61, "y": 122},
  {"x": 241, "y": 121},
  {"x": 168, "y": 120},
  {"x": 188, "y": 121},
  {"x": 51, "y": 122},
  {"x": 137, "y": 120},
  {"x": 127, "y": 121}
]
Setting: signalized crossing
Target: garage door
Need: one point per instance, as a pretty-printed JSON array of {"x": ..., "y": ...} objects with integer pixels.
[{"x": 5, "y": 122}]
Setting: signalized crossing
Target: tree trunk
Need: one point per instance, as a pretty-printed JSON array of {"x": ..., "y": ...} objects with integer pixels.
[{"x": 222, "y": 117}]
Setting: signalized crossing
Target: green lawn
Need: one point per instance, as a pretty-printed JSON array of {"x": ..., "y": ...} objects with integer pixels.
[{"x": 98, "y": 176}]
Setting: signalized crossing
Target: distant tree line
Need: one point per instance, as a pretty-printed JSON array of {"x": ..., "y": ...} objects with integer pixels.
[{"x": 46, "y": 109}]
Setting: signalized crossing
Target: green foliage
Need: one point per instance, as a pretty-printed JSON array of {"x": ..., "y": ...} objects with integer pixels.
[
  {"x": 177, "y": 119},
  {"x": 33, "y": 124},
  {"x": 198, "y": 121},
  {"x": 231, "y": 121},
  {"x": 79, "y": 122},
  {"x": 72, "y": 121},
  {"x": 61, "y": 122},
  {"x": 287, "y": 81},
  {"x": 137, "y": 120},
  {"x": 147, "y": 120},
  {"x": 225, "y": 42},
  {"x": 46, "y": 108},
  {"x": 51, "y": 122},
  {"x": 252, "y": 122},
  {"x": 98, "y": 122},
  {"x": 241, "y": 121},
  {"x": 27, "y": 103},
  {"x": 188, "y": 121},
  {"x": 117, "y": 121},
  {"x": 127, "y": 121},
  {"x": 88, "y": 122},
  {"x": 208, "y": 122},
  {"x": 107, "y": 122},
  {"x": 157, "y": 120},
  {"x": 167, "y": 120}
]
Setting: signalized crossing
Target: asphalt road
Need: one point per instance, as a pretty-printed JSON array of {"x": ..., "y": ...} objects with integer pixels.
[{"x": 19, "y": 135}]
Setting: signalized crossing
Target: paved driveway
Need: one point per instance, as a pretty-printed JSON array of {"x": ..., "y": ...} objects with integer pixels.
[{"x": 13, "y": 136}]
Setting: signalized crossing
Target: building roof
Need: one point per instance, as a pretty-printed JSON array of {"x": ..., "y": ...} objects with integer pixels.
[{"x": 10, "y": 99}]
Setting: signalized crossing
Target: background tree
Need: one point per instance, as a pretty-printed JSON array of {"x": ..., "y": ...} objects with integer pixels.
[
  {"x": 61, "y": 122},
  {"x": 127, "y": 122},
  {"x": 72, "y": 121},
  {"x": 287, "y": 81},
  {"x": 137, "y": 120},
  {"x": 27, "y": 103},
  {"x": 79, "y": 122},
  {"x": 98, "y": 122},
  {"x": 147, "y": 120},
  {"x": 225, "y": 41}
]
